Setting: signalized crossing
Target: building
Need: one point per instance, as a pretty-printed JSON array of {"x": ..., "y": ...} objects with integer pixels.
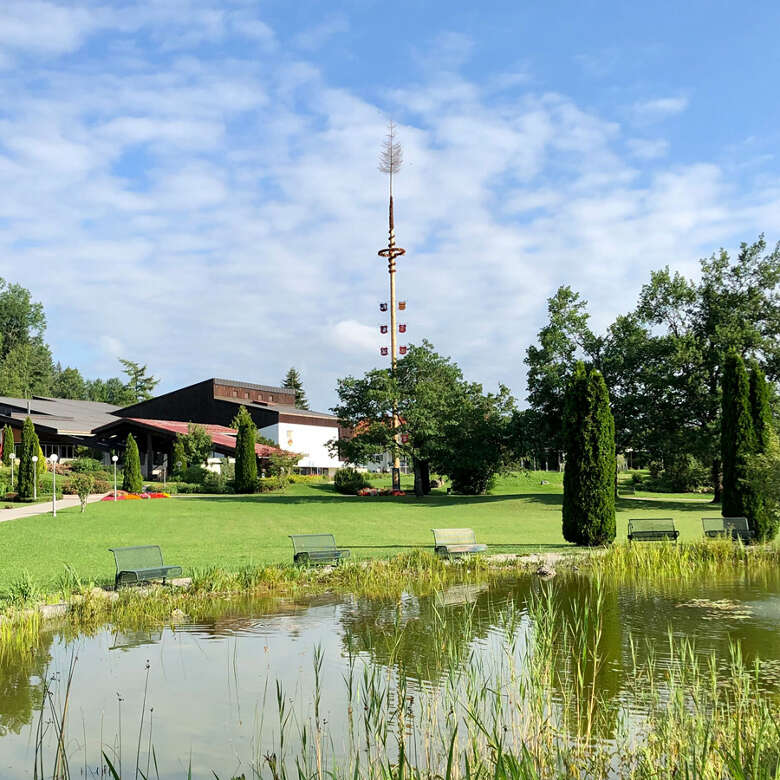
[
  {"x": 217, "y": 401},
  {"x": 61, "y": 424}
]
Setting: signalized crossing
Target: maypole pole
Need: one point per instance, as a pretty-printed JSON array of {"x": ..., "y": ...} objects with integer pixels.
[{"x": 390, "y": 161}]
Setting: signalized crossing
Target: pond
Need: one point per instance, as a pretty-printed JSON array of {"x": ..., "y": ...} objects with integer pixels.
[{"x": 573, "y": 667}]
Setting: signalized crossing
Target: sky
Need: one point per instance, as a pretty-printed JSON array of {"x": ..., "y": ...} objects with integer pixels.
[{"x": 193, "y": 184}]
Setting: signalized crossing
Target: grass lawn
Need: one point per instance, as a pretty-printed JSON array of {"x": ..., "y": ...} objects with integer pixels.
[{"x": 229, "y": 531}]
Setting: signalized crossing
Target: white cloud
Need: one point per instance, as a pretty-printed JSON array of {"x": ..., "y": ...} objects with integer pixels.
[
  {"x": 222, "y": 215},
  {"x": 315, "y": 37},
  {"x": 659, "y": 108}
]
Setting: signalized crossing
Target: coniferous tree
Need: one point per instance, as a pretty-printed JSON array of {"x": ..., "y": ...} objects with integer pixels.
[
  {"x": 293, "y": 382},
  {"x": 132, "y": 481},
  {"x": 8, "y": 444},
  {"x": 30, "y": 447},
  {"x": 761, "y": 413},
  {"x": 589, "y": 478},
  {"x": 738, "y": 441},
  {"x": 246, "y": 458},
  {"x": 574, "y": 422}
]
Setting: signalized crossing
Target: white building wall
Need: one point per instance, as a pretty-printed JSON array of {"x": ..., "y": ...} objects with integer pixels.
[{"x": 309, "y": 440}]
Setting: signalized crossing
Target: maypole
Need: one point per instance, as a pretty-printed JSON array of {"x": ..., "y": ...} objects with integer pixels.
[{"x": 390, "y": 161}]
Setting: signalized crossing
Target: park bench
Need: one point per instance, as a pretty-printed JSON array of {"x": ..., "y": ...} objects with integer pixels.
[
  {"x": 316, "y": 549},
  {"x": 456, "y": 542},
  {"x": 652, "y": 529},
  {"x": 735, "y": 527},
  {"x": 140, "y": 564}
]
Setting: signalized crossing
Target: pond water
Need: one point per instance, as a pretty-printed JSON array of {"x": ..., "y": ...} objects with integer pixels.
[{"x": 212, "y": 689}]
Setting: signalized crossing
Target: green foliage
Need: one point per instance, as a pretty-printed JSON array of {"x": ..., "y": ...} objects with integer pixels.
[
  {"x": 281, "y": 467},
  {"x": 26, "y": 370},
  {"x": 260, "y": 439},
  {"x": 193, "y": 448},
  {"x": 348, "y": 481},
  {"x": 132, "y": 481},
  {"x": 763, "y": 476},
  {"x": 82, "y": 485},
  {"x": 86, "y": 465},
  {"x": 139, "y": 383},
  {"x": 110, "y": 391},
  {"x": 589, "y": 477},
  {"x": 738, "y": 441},
  {"x": 760, "y": 407},
  {"x": 8, "y": 444},
  {"x": 292, "y": 381},
  {"x": 447, "y": 423},
  {"x": 27, "y": 470},
  {"x": 68, "y": 383},
  {"x": 180, "y": 462},
  {"x": 195, "y": 474},
  {"x": 246, "y": 457},
  {"x": 22, "y": 321},
  {"x": 684, "y": 474}
]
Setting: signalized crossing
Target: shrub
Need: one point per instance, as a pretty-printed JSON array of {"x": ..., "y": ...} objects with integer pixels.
[
  {"x": 215, "y": 483},
  {"x": 195, "y": 474},
  {"x": 27, "y": 471},
  {"x": 246, "y": 457},
  {"x": 686, "y": 475},
  {"x": 188, "y": 487},
  {"x": 348, "y": 481},
  {"x": 82, "y": 485},
  {"x": 86, "y": 466},
  {"x": 132, "y": 481}
]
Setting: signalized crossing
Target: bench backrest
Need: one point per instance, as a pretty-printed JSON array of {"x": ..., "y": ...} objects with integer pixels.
[
  {"x": 137, "y": 558},
  {"x": 444, "y": 536},
  {"x": 658, "y": 524},
  {"x": 313, "y": 542},
  {"x": 725, "y": 524}
]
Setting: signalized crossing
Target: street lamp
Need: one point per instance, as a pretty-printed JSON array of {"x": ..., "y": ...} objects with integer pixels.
[
  {"x": 53, "y": 461},
  {"x": 35, "y": 477},
  {"x": 114, "y": 458}
]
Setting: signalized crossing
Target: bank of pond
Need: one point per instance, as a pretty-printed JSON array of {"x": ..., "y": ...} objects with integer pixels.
[{"x": 646, "y": 660}]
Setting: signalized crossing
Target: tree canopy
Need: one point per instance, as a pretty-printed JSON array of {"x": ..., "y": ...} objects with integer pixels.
[{"x": 292, "y": 381}]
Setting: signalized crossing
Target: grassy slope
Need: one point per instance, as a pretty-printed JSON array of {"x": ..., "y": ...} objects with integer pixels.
[{"x": 229, "y": 531}]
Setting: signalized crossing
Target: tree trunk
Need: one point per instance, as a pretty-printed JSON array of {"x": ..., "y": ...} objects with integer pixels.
[
  {"x": 716, "y": 480},
  {"x": 418, "y": 488},
  {"x": 425, "y": 477}
]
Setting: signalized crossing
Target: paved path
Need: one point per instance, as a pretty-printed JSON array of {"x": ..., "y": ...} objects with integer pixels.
[{"x": 28, "y": 510}]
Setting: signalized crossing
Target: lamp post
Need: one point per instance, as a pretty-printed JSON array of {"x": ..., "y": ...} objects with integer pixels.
[
  {"x": 114, "y": 458},
  {"x": 53, "y": 461},
  {"x": 35, "y": 477}
]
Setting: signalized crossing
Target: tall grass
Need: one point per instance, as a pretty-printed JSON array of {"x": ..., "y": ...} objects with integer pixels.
[{"x": 530, "y": 701}]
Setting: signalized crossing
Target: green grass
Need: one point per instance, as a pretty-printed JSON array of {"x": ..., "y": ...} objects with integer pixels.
[{"x": 230, "y": 531}]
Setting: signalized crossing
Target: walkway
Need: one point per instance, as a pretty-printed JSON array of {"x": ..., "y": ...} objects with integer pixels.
[{"x": 29, "y": 510}]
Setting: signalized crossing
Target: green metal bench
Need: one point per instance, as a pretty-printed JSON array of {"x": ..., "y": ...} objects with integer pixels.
[
  {"x": 314, "y": 549},
  {"x": 140, "y": 564},
  {"x": 733, "y": 527},
  {"x": 449, "y": 542},
  {"x": 652, "y": 529}
]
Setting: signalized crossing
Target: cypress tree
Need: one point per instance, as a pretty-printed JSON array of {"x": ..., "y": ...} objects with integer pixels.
[
  {"x": 589, "y": 478},
  {"x": 8, "y": 444},
  {"x": 761, "y": 414},
  {"x": 574, "y": 420},
  {"x": 132, "y": 481},
  {"x": 26, "y": 466},
  {"x": 41, "y": 459},
  {"x": 246, "y": 458},
  {"x": 737, "y": 441}
]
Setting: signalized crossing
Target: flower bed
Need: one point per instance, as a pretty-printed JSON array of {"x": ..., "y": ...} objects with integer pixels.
[
  {"x": 380, "y": 492},
  {"x": 123, "y": 495}
]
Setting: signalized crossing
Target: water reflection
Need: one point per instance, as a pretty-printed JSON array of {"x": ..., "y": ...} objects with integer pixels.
[{"x": 213, "y": 683}]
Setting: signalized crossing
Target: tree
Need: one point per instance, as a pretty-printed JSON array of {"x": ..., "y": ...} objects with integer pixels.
[
  {"x": 561, "y": 341},
  {"x": 68, "y": 383},
  {"x": 195, "y": 446},
  {"x": 132, "y": 481},
  {"x": 180, "y": 462},
  {"x": 26, "y": 370},
  {"x": 589, "y": 477},
  {"x": 139, "y": 383},
  {"x": 82, "y": 484},
  {"x": 22, "y": 320},
  {"x": 763, "y": 475},
  {"x": 8, "y": 444},
  {"x": 760, "y": 407},
  {"x": 292, "y": 381},
  {"x": 446, "y": 424},
  {"x": 110, "y": 391},
  {"x": 246, "y": 457},
  {"x": 281, "y": 467},
  {"x": 738, "y": 442},
  {"x": 27, "y": 472},
  {"x": 765, "y": 518}
]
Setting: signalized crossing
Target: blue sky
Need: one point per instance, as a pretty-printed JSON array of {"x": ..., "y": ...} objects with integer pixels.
[{"x": 193, "y": 183}]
